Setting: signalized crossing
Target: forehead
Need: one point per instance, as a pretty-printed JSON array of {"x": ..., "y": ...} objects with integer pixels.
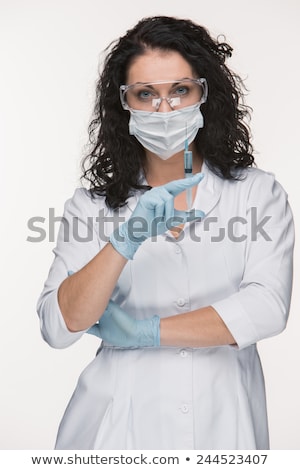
[{"x": 156, "y": 65}]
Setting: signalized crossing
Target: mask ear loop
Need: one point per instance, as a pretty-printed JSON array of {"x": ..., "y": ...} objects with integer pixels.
[{"x": 204, "y": 91}]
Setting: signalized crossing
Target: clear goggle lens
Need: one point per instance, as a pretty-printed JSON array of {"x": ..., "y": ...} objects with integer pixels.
[{"x": 178, "y": 94}]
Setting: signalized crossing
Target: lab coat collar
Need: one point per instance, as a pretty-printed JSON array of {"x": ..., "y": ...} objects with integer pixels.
[{"x": 209, "y": 190}]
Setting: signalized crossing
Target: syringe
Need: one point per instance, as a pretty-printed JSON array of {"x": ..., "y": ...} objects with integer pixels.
[{"x": 188, "y": 172}]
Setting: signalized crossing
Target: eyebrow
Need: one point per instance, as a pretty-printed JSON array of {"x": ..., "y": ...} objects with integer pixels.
[{"x": 158, "y": 82}]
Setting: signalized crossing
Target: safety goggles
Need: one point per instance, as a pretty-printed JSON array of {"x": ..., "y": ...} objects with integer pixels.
[{"x": 178, "y": 94}]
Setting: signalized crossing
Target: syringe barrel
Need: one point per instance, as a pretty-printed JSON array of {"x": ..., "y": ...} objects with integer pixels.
[{"x": 188, "y": 163}]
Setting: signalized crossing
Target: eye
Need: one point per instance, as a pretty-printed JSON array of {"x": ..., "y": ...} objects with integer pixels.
[
  {"x": 181, "y": 90},
  {"x": 145, "y": 95}
]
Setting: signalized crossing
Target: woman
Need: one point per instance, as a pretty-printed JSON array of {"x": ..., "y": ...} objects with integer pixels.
[{"x": 180, "y": 297}]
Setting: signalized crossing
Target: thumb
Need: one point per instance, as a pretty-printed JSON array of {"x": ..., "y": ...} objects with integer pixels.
[{"x": 176, "y": 187}]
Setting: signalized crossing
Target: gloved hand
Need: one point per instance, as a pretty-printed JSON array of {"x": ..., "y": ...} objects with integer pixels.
[
  {"x": 118, "y": 328},
  {"x": 154, "y": 215}
]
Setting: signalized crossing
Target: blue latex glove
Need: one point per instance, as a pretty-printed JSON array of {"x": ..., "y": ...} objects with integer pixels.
[
  {"x": 118, "y": 328},
  {"x": 154, "y": 215}
]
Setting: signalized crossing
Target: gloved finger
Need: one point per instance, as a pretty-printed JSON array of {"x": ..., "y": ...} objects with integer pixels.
[
  {"x": 195, "y": 214},
  {"x": 169, "y": 209},
  {"x": 94, "y": 330},
  {"x": 152, "y": 198},
  {"x": 112, "y": 307},
  {"x": 164, "y": 209},
  {"x": 189, "y": 216},
  {"x": 155, "y": 197},
  {"x": 159, "y": 198},
  {"x": 176, "y": 187}
]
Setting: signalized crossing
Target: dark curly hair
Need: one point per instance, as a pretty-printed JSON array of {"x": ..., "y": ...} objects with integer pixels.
[{"x": 113, "y": 166}]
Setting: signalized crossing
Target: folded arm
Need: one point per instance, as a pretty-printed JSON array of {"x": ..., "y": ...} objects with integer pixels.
[{"x": 199, "y": 328}]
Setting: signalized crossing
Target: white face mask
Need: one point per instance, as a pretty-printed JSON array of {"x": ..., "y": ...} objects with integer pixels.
[{"x": 165, "y": 133}]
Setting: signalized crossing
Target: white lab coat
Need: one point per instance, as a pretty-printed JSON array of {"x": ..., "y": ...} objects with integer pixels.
[{"x": 181, "y": 398}]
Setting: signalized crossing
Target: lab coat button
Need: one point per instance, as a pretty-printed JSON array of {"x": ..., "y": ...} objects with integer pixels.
[
  {"x": 180, "y": 302},
  {"x": 184, "y": 408},
  {"x": 177, "y": 249},
  {"x": 183, "y": 353}
]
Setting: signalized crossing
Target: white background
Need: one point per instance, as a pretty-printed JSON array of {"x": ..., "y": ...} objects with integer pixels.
[{"x": 50, "y": 51}]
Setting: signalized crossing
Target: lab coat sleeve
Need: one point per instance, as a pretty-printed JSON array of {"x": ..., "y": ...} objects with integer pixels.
[
  {"x": 77, "y": 244},
  {"x": 261, "y": 306}
]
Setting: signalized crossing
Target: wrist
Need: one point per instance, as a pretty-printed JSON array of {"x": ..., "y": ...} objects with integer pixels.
[
  {"x": 124, "y": 242},
  {"x": 149, "y": 332},
  {"x": 156, "y": 330}
]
